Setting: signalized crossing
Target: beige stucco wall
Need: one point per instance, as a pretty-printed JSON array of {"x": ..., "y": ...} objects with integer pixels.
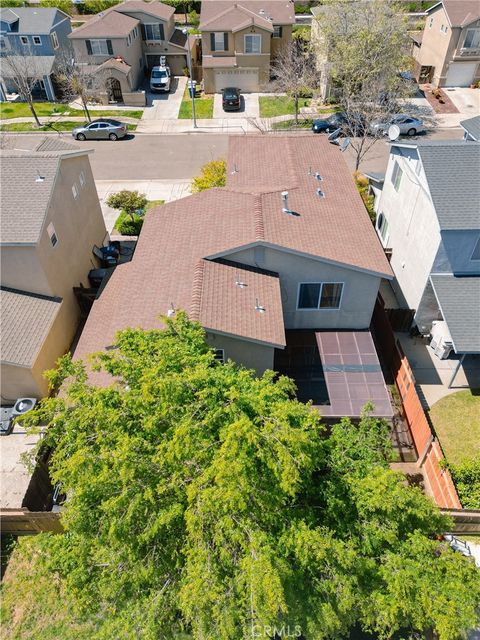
[
  {"x": 359, "y": 291},
  {"x": 17, "y": 382},
  {"x": 21, "y": 269},
  {"x": 277, "y": 43},
  {"x": 249, "y": 354},
  {"x": 236, "y": 43}
]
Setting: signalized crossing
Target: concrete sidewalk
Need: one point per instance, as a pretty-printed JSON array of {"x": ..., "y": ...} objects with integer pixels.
[{"x": 167, "y": 190}]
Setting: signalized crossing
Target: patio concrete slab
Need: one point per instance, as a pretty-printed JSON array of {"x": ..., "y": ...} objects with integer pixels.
[
  {"x": 165, "y": 106},
  {"x": 249, "y": 107},
  {"x": 433, "y": 375},
  {"x": 167, "y": 190}
]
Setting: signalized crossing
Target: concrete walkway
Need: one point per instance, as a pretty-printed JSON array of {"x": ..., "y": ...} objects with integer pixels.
[
  {"x": 165, "y": 106},
  {"x": 167, "y": 190}
]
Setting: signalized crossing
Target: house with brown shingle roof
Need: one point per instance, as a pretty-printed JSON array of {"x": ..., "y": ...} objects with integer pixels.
[
  {"x": 285, "y": 246},
  {"x": 50, "y": 221},
  {"x": 123, "y": 43},
  {"x": 240, "y": 39},
  {"x": 449, "y": 55}
]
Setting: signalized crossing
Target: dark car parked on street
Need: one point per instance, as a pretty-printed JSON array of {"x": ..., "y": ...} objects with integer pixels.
[
  {"x": 329, "y": 124},
  {"x": 231, "y": 100}
]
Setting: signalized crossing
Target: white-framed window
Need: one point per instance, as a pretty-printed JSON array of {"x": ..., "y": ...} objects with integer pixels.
[
  {"x": 219, "y": 355},
  {"x": 99, "y": 47},
  {"x": 135, "y": 33},
  {"x": 253, "y": 43},
  {"x": 24, "y": 40},
  {"x": 397, "y": 174},
  {"x": 444, "y": 28},
  {"x": 219, "y": 41},
  {"x": 75, "y": 190},
  {"x": 277, "y": 31},
  {"x": 37, "y": 40},
  {"x": 476, "y": 251},
  {"x": 3, "y": 43},
  {"x": 154, "y": 32},
  {"x": 472, "y": 39},
  {"x": 82, "y": 178},
  {"x": 42, "y": 85},
  {"x": 52, "y": 235},
  {"x": 430, "y": 23},
  {"x": 382, "y": 227},
  {"x": 319, "y": 295},
  {"x": 54, "y": 39}
]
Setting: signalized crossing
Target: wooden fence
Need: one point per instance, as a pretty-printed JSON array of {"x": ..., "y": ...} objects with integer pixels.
[
  {"x": 20, "y": 522},
  {"x": 428, "y": 448}
]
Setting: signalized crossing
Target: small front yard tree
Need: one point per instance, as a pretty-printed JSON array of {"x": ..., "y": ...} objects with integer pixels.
[
  {"x": 293, "y": 72},
  {"x": 213, "y": 174},
  {"x": 131, "y": 202},
  {"x": 24, "y": 71},
  {"x": 76, "y": 79},
  {"x": 206, "y": 501}
]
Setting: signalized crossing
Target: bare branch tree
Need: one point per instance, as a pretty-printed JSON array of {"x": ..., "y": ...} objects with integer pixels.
[
  {"x": 364, "y": 44},
  {"x": 24, "y": 70},
  {"x": 293, "y": 72}
]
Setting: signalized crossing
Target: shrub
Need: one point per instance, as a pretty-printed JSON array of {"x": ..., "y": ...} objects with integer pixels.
[
  {"x": 302, "y": 8},
  {"x": 194, "y": 18},
  {"x": 11, "y": 3},
  {"x": 466, "y": 477},
  {"x": 95, "y": 6},
  {"x": 129, "y": 225},
  {"x": 213, "y": 174},
  {"x": 368, "y": 200},
  {"x": 64, "y": 5}
]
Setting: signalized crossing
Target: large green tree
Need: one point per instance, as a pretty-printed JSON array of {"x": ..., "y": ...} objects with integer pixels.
[{"x": 206, "y": 500}]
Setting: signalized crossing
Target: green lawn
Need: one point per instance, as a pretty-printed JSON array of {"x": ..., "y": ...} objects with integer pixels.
[
  {"x": 456, "y": 420},
  {"x": 10, "y": 110},
  {"x": 30, "y": 127},
  {"x": 303, "y": 123},
  {"x": 203, "y": 107},
  {"x": 271, "y": 106}
]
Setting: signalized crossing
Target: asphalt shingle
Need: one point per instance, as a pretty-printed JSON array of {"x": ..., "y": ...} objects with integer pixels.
[
  {"x": 472, "y": 127},
  {"x": 31, "y": 20}
]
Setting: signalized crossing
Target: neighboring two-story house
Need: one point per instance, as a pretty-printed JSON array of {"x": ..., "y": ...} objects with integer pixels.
[
  {"x": 240, "y": 40},
  {"x": 120, "y": 45},
  {"x": 37, "y": 36},
  {"x": 50, "y": 221},
  {"x": 428, "y": 215},
  {"x": 449, "y": 54},
  {"x": 281, "y": 267}
]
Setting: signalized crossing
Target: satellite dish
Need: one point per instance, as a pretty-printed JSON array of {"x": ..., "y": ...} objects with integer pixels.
[
  {"x": 345, "y": 144},
  {"x": 393, "y": 132}
]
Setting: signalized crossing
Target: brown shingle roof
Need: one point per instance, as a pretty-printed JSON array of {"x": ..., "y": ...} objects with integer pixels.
[
  {"x": 460, "y": 12},
  {"x": 25, "y": 321},
  {"x": 165, "y": 268},
  {"x": 157, "y": 9},
  {"x": 108, "y": 24},
  {"x": 225, "y": 297},
  {"x": 227, "y": 15}
]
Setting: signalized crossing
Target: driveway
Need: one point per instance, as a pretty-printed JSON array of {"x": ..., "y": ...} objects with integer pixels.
[
  {"x": 249, "y": 107},
  {"x": 466, "y": 100},
  {"x": 165, "y": 106}
]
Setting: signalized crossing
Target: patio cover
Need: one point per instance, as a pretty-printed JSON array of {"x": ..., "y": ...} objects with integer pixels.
[
  {"x": 459, "y": 302},
  {"x": 352, "y": 374}
]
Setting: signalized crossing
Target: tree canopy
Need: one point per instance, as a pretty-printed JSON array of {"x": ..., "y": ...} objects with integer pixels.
[
  {"x": 207, "y": 501},
  {"x": 213, "y": 174}
]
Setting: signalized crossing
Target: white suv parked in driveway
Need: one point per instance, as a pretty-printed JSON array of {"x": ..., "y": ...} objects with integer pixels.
[{"x": 160, "y": 79}]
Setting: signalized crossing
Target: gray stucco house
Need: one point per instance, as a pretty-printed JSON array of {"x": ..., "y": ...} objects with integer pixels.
[
  {"x": 428, "y": 215},
  {"x": 281, "y": 267},
  {"x": 36, "y": 36}
]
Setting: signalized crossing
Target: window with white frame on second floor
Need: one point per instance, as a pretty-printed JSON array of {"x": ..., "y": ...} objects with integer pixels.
[
  {"x": 54, "y": 39},
  {"x": 319, "y": 295},
  {"x": 430, "y": 23},
  {"x": 82, "y": 178},
  {"x": 219, "y": 41},
  {"x": 444, "y": 28},
  {"x": 277, "y": 31},
  {"x": 253, "y": 43},
  {"x": 24, "y": 40},
  {"x": 472, "y": 39},
  {"x": 99, "y": 47},
  {"x": 154, "y": 31},
  {"x": 37, "y": 40},
  {"x": 3, "y": 43},
  {"x": 396, "y": 176},
  {"x": 52, "y": 235},
  {"x": 75, "y": 190},
  {"x": 382, "y": 226}
]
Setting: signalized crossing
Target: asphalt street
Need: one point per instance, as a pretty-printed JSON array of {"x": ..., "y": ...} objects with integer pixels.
[{"x": 180, "y": 157}]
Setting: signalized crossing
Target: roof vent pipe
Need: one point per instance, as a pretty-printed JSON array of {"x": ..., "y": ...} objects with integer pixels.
[
  {"x": 285, "y": 208},
  {"x": 171, "y": 311},
  {"x": 318, "y": 176},
  {"x": 235, "y": 168},
  {"x": 259, "y": 307}
]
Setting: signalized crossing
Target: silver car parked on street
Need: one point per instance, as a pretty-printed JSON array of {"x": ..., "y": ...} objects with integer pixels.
[
  {"x": 104, "y": 129},
  {"x": 408, "y": 125}
]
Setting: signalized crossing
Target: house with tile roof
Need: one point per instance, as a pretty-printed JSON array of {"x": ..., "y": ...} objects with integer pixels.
[
  {"x": 240, "y": 39},
  {"x": 50, "y": 221},
  {"x": 449, "y": 54},
  {"x": 284, "y": 252},
  {"x": 122, "y": 44},
  {"x": 428, "y": 215},
  {"x": 34, "y": 37}
]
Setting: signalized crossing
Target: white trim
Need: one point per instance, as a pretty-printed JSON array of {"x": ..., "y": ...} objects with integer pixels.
[
  {"x": 319, "y": 308},
  {"x": 75, "y": 191},
  {"x": 37, "y": 44},
  {"x": 222, "y": 356},
  {"x": 25, "y": 44},
  {"x": 97, "y": 40},
  {"x": 52, "y": 234},
  {"x": 215, "y": 34},
  {"x": 54, "y": 40}
]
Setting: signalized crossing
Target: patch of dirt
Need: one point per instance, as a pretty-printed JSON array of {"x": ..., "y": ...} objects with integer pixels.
[{"x": 438, "y": 99}]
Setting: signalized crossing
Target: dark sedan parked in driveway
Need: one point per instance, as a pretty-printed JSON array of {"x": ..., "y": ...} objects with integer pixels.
[
  {"x": 231, "y": 99},
  {"x": 104, "y": 129}
]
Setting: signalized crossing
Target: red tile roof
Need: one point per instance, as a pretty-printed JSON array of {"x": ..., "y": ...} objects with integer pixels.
[{"x": 171, "y": 263}]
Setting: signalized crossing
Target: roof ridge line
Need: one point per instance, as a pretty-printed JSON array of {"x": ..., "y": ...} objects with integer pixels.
[
  {"x": 258, "y": 218},
  {"x": 197, "y": 289},
  {"x": 218, "y": 15}
]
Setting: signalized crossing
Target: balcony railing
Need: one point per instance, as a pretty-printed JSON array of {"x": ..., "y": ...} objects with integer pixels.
[{"x": 467, "y": 52}]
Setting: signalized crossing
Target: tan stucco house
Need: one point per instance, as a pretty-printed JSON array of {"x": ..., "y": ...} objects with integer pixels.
[
  {"x": 449, "y": 52},
  {"x": 50, "y": 220},
  {"x": 280, "y": 264},
  {"x": 120, "y": 45},
  {"x": 240, "y": 40}
]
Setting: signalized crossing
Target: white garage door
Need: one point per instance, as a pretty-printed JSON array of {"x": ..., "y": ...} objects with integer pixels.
[
  {"x": 243, "y": 79},
  {"x": 460, "y": 74}
]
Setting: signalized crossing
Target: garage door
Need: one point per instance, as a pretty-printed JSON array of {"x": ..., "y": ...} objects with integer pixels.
[
  {"x": 176, "y": 63},
  {"x": 460, "y": 74},
  {"x": 243, "y": 79}
]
